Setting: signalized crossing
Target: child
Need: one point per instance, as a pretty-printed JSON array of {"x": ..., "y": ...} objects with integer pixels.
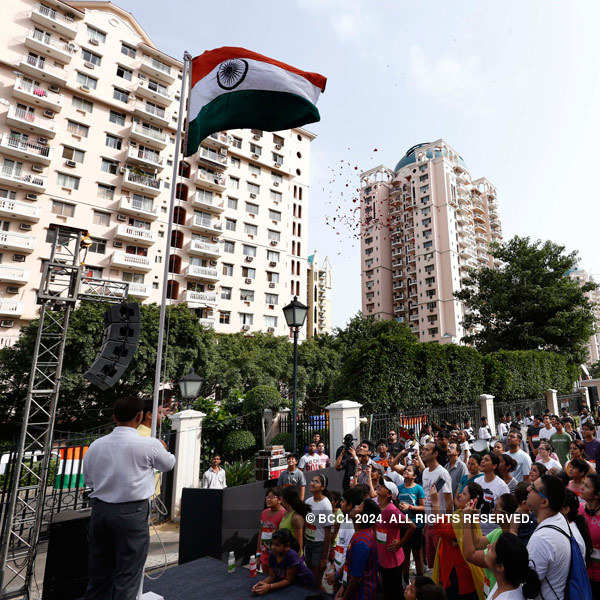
[
  {"x": 270, "y": 518},
  {"x": 285, "y": 566}
]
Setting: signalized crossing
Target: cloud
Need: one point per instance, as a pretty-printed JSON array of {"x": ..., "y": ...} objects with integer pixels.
[{"x": 349, "y": 19}]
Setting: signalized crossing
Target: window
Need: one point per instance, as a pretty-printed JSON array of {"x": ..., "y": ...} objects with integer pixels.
[
  {"x": 253, "y": 188},
  {"x": 234, "y": 182},
  {"x": 68, "y": 181},
  {"x": 232, "y": 203},
  {"x": 271, "y": 298},
  {"x": 77, "y": 128},
  {"x": 246, "y": 318},
  {"x": 249, "y": 250},
  {"x": 9, "y": 194},
  {"x": 230, "y": 224},
  {"x": 276, "y": 178},
  {"x": 236, "y": 142},
  {"x": 227, "y": 269},
  {"x": 132, "y": 277},
  {"x": 276, "y": 196},
  {"x": 98, "y": 246},
  {"x": 120, "y": 95},
  {"x": 112, "y": 141},
  {"x": 73, "y": 154},
  {"x": 272, "y": 277},
  {"x": 270, "y": 321},
  {"x": 274, "y": 236},
  {"x": 109, "y": 166},
  {"x": 106, "y": 192},
  {"x": 94, "y": 272},
  {"x": 250, "y": 229},
  {"x": 96, "y": 34},
  {"x": 235, "y": 162},
  {"x": 82, "y": 104},
  {"x": 429, "y": 280},
  {"x": 229, "y": 247},
  {"x": 248, "y": 272},
  {"x": 101, "y": 218},
  {"x": 226, "y": 293},
  {"x": 254, "y": 170},
  {"x": 86, "y": 80},
  {"x": 424, "y": 189},
  {"x": 277, "y": 140},
  {"x": 63, "y": 208},
  {"x": 274, "y": 215},
  {"x": 128, "y": 50},
  {"x": 251, "y": 208},
  {"x": 427, "y": 245},
  {"x": 277, "y": 159},
  {"x": 272, "y": 256},
  {"x": 423, "y": 178},
  {"x": 247, "y": 295},
  {"x": 91, "y": 57},
  {"x": 254, "y": 149},
  {"x": 117, "y": 118},
  {"x": 432, "y": 330},
  {"x": 124, "y": 73},
  {"x": 155, "y": 86}
]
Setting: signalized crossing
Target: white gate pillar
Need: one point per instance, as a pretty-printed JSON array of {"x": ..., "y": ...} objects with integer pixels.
[{"x": 344, "y": 418}]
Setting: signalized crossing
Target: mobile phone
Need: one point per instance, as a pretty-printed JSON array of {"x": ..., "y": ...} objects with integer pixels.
[{"x": 439, "y": 484}]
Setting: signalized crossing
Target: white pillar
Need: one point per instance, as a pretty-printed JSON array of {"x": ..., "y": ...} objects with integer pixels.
[
  {"x": 585, "y": 397},
  {"x": 486, "y": 404},
  {"x": 344, "y": 418},
  {"x": 188, "y": 425},
  {"x": 552, "y": 401}
]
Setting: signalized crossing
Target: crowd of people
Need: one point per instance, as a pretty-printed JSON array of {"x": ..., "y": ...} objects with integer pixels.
[{"x": 479, "y": 515}]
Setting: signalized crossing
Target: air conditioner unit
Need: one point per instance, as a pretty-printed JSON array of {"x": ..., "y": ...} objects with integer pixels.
[
  {"x": 245, "y": 327},
  {"x": 84, "y": 88},
  {"x": 117, "y": 244},
  {"x": 49, "y": 114},
  {"x": 70, "y": 163},
  {"x": 249, "y": 259},
  {"x": 18, "y": 258},
  {"x": 272, "y": 264},
  {"x": 278, "y": 146},
  {"x": 6, "y": 323},
  {"x": 256, "y": 156},
  {"x": 276, "y": 183},
  {"x": 256, "y": 137},
  {"x": 270, "y": 329},
  {"x": 30, "y": 196},
  {"x": 252, "y": 195},
  {"x": 271, "y": 285},
  {"x": 93, "y": 42},
  {"x": 273, "y": 243},
  {"x": 121, "y": 218},
  {"x": 43, "y": 141},
  {"x": 122, "y": 170},
  {"x": 54, "y": 88},
  {"x": 25, "y": 227},
  {"x": 213, "y": 263},
  {"x": 271, "y": 306},
  {"x": 37, "y": 168},
  {"x": 211, "y": 286},
  {"x": 248, "y": 280},
  {"x": 12, "y": 289},
  {"x": 89, "y": 65}
]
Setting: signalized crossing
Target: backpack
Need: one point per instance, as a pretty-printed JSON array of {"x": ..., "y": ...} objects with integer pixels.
[{"x": 578, "y": 585}]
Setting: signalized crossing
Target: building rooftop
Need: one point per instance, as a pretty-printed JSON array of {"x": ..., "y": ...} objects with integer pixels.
[{"x": 411, "y": 155}]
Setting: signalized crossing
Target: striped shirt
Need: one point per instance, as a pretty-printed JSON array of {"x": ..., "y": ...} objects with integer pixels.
[{"x": 362, "y": 562}]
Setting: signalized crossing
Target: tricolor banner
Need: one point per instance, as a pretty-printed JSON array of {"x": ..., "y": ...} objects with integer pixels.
[{"x": 234, "y": 88}]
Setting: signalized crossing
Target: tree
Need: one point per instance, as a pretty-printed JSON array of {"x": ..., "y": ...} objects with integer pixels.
[{"x": 529, "y": 302}]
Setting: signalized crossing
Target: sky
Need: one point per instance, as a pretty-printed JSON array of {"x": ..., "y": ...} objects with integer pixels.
[{"x": 513, "y": 86}]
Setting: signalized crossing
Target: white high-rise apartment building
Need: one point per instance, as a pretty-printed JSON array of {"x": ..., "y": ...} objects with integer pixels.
[
  {"x": 422, "y": 225},
  {"x": 88, "y": 117},
  {"x": 319, "y": 296},
  {"x": 593, "y": 345}
]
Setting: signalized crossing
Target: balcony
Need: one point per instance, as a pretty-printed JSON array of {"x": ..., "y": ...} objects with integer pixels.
[
  {"x": 141, "y": 183},
  {"x": 205, "y": 225},
  {"x": 23, "y": 181},
  {"x": 200, "y": 299},
  {"x": 22, "y": 210},
  {"x": 148, "y": 136},
  {"x": 413, "y": 318},
  {"x": 139, "y": 290},
  {"x": 40, "y": 68},
  {"x": 218, "y": 140},
  {"x": 213, "y": 158},
  {"x": 14, "y": 146},
  {"x": 198, "y": 272},
  {"x": 211, "y": 204},
  {"x": 153, "y": 114},
  {"x": 11, "y": 308},
  {"x": 16, "y": 241},
  {"x": 42, "y": 42},
  {"x": 147, "y": 89},
  {"x": 51, "y": 19},
  {"x": 134, "y": 262},
  {"x": 145, "y": 158},
  {"x": 211, "y": 181},
  {"x": 136, "y": 234},
  {"x": 36, "y": 95},
  {"x": 24, "y": 119},
  {"x": 13, "y": 274},
  {"x": 207, "y": 322},
  {"x": 158, "y": 69},
  {"x": 137, "y": 207},
  {"x": 204, "y": 248}
]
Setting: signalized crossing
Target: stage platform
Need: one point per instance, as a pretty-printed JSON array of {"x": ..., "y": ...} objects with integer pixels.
[{"x": 207, "y": 578}]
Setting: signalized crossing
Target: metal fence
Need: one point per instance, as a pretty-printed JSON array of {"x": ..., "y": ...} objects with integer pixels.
[
  {"x": 306, "y": 426},
  {"x": 572, "y": 402},
  {"x": 537, "y": 406}
]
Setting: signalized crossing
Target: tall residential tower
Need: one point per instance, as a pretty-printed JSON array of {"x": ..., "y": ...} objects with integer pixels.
[{"x": 422, "y": 224}]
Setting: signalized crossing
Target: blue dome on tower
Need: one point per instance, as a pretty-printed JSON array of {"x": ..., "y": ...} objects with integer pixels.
[{"x": 411, "y": 155}]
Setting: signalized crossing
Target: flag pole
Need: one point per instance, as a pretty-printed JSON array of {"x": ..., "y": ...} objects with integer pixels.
[{"x": 163, "y": 305}]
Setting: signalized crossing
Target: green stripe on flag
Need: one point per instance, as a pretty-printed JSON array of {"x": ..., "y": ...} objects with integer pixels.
[{"x": 250, "y": 109}]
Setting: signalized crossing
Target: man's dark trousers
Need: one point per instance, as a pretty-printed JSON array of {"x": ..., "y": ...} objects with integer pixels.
[{"x": 119, "y": 541}]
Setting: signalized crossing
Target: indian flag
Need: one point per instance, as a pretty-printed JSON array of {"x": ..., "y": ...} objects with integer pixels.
[{"x": 234, "y": 88}]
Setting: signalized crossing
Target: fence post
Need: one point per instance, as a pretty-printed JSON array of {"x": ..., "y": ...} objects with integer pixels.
[
  {"x": 552, "y": 401},
  {"x": 188, "y": 425},
  {"x": 585, "y": 397},
  {"x": 344, "y": 418},
  {"x": 486, "y": 404}
]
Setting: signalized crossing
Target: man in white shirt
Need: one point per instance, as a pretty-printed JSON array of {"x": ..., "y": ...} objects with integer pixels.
[
  {"x": 485, "y": 432},
  {"x": 549, "y": 549},
  {"x": 310, "y": 461},
  {"x": 522, "y": 458},
  {"x": 214, "y": 477},
  {"x": 547, "y": 431},
  {"x": 432, "y": 474},
  {"x": 528, "y": 420},
  {"x": 503, "y": 428},
  {"x": 119, "y": 467}
]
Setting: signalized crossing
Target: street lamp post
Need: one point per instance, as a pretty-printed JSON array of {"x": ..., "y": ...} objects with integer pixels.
[
  {"x": 190, "y": 386},
  {"x": 295, "y": 315}
]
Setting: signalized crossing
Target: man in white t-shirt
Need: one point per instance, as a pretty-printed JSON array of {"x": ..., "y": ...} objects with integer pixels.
[
  {"x": 493, "y": 487},
  {"x": 549, "y": 550},
  {"x": 529, "y": 418},
  {"x": 523, "y": 460},
  {"x": 432, "y": 474},
  {"x": 310, "y": 461},
  {"x": 485, "y": 432},
  {"x": 547, "y": 431}
]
